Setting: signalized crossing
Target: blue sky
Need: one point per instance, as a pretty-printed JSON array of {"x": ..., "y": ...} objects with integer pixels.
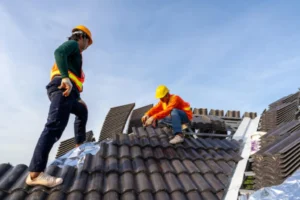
[{"x": 237, "y": 55}]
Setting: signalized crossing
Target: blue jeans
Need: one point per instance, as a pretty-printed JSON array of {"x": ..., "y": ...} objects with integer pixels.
[
  {"x": 177, "y": 118},
  {"x": 60, "y": 109}
]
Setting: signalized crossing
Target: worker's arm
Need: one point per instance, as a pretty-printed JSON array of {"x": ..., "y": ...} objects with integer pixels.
[
  {"x": 155, "y": 109},
  {"x": 171, "y": 105},
  {"x": 61, "y": 56}
]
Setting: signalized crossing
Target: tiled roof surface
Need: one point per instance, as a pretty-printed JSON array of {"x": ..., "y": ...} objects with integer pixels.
[
  {"x": 115, "y": 121},
  {"x": 137, "y": 166},
  {"x": 69, "y": 144},
  {"x": 279, "y": 155},
  {"x": 135, "y": 118}
]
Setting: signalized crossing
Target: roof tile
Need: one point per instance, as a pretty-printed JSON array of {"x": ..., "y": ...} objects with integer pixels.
[
  {"x": 95, "y": 182},
  {"x": 76, "y": 195},
  {"x": 192, "y": 195},
  {"x": 111, "y": 195},
  {"x": 214, "y": 182},
  {"x": 158, "y": 182},
  {"x": 80, "y": 182},
  {"x": 170, "y": 153},
  {"x": 134, "y": 140},
  {"x": 127, "y": 182},
  {"x": 190, "y": 166},
  {"x": 154, "y": 141},
  {"x": 125, "y": 165},
  {"x": 202, "y": 166},
  {"x": 111, "y": 165},
  {"x": 145, "y": 196},
  {"x": 57, "y": 195},
  {"x": 162, "y": 195},
  {"x": 144, "y": 141},
  {"x": 93, "y": 196},
  {"x": 136, "y": 152},
  {"x": 172, "y": 182},
  {"x": 214, "y": 166},
  {"x": 111, "y": 183},
  {"x": 187, "y": 183},
  {"x": 124, "y": 139},
  {"x": 166, "y": 166},
  {"x": 178, "y": 195},
  {"x": 124, "y": 152},
  {"x": 143, "y": 183},
  {"x": 138, "y": 165},
  {"x": 179, "y": 167},
  {"x": 224, "y": 179},
  {"x": 159, "y": 153},
  {"x": 201, "y": 182},
  {"x": 130, "y": 195},
  {"x": 147, "y": 153},
  {"x": 209, "y": 196},
  {"x": 225, "y": 167},
  {"x": 37, "y": 195},
  {"x": 152, "y": 166}
]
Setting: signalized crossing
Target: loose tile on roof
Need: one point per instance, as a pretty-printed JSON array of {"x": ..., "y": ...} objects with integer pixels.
[{"x": 128, "y": 167}]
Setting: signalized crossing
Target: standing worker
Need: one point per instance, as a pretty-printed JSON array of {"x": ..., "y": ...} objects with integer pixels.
[
  {"x": 171, "y": 110},
  {"x": 66, "y": 84}
]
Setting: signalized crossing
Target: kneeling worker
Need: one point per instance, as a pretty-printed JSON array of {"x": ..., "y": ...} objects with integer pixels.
[{"x": 171, "y": 110}]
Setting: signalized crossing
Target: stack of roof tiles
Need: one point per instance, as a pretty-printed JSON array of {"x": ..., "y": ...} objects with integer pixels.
[
  {"x": 115, "y": 121},
  {"x": 140, "y": 166},
  {"x": 69, "y": 144},
  {"x": 279, "y": 155},
  {"x": 208, "y": 123},
  {"x": 216, "y": 121},
  {"x": 282, "y": 110}
]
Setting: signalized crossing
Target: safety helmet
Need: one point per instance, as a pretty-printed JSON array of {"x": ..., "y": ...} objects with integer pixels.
[
  {"x": 85, "y": 30},
  {"x": 161, "y": 91}
]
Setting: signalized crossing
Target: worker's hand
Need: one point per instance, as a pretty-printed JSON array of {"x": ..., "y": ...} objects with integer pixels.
[
  {"x": 149, "y": 121},
  {"x": 82, "y": 102},
  {"x": 144, "y": 118},
  {"x": 66, "y": 84}
]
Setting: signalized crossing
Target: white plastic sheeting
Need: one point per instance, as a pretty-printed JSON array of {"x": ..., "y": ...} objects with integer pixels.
[
  {"x": 76, "y": 156},
  {"x": 288, "y": 190}
]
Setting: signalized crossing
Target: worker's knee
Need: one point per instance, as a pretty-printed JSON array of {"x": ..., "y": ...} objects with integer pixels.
[{"x": 174, "y": 112}]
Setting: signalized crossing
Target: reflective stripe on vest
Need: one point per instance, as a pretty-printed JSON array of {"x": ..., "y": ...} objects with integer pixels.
[{"x": 78, "y": 81}]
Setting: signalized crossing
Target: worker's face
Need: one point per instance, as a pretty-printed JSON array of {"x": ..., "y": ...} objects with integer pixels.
[
  {"x": 165, "y": 99},
  {"x": 83, "y": 43}
]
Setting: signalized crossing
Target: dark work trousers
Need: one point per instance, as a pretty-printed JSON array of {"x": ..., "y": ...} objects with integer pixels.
[
  {"x": 60, "y": 109},
  {"x": 175, "y": 120}
]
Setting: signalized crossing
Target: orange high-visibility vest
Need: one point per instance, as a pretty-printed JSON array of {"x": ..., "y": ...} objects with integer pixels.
[
  {"x": 77, "y": 80},
  {"x": 161, "y": 109}
]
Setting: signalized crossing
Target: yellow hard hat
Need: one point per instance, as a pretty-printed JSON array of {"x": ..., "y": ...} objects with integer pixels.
[
  {"x": 161, "y": 91},
  {"x": 85, "y": 30}
]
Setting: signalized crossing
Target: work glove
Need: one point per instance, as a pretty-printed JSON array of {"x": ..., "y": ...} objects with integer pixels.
[
  {"x": 144, "y": 118},
  {"x": 66, "y": 84},
  {"x": 149, "y": 121}
]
